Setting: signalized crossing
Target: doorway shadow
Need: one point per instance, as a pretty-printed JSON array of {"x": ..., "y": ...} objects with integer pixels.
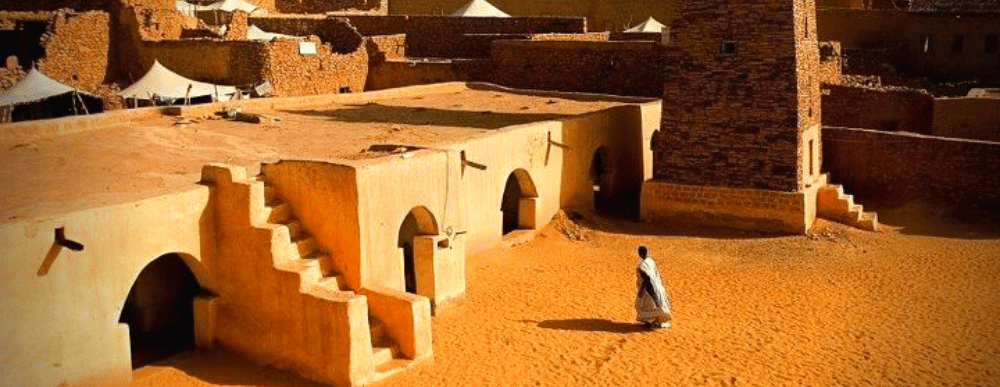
[{"x": 589, "y": 325}]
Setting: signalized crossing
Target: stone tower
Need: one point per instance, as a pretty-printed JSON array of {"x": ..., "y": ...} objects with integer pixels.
[{"x": 739, "y": 141}]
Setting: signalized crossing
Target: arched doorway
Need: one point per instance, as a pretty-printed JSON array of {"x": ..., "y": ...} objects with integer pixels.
[
  {"x": 601, "y": 177},
  {"x": 159, "y": 310},
  {"x": 419, "y": 222},
  {"x": 517, "y": 189}
]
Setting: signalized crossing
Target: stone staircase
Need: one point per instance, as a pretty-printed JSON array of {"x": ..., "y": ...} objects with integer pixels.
[
  {"x": 315, "y": 269},
  {"x": 833, "y": 204}
]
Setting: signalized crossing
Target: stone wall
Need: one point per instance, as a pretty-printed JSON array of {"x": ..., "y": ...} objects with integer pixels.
[
  {"x": 76, "y": 49},
  {"x": 292, "y": 74},
  {"x": 886, "y": 109},
  {"x": 620, "y": 68},
  {"x": 969, "y": 118},
  {"x": 634, "y": 36},
  {"x": 830, "y": 63},
  {"x": 743, "y": 101},
  {"x": 390, "y": 47},
  {"x": 602, "y": 15},
  {"x": 892, "y": 169},
  {"x": 445, "y": 37},
  {"x": 400, "y": 73},
  {"x": 922, "y": 44}
]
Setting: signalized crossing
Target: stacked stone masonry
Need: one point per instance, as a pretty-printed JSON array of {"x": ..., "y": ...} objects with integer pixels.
[
  {"x": 885, "y": 109},
  {"x": 743, "y": 96},
  {"x": 893, "y": 169}
]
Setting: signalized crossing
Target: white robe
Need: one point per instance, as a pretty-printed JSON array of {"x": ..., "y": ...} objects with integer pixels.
[{"x": 646, "y": 307}]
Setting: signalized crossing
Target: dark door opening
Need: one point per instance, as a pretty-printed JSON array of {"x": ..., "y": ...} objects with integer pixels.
[
  {"x": 510, "y": 204},
  {"x": 159, "y": 310},
  {"x": 418, "y": 222},
  {"x": 600, "y": 181}
]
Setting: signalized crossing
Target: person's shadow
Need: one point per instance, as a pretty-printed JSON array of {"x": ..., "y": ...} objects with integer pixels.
[{"x": 590, "y": 325}]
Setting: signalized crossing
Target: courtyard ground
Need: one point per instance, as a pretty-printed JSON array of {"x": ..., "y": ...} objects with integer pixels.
[{"x": 916, "y": 304}]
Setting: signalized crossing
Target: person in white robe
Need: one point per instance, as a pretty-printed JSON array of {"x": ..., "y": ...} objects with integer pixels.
[{"x": 652, "y": 306}]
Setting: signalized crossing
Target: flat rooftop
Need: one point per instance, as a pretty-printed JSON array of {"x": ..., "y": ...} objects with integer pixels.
[{"x": 134, "y": 160}]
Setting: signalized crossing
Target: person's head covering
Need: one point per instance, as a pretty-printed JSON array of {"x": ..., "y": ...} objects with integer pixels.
[{"x": 643, "y": 251}]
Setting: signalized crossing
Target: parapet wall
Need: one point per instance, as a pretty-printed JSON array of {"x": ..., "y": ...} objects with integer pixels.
[
  {"x": 968, "y": 118},
  {"x": 620, "y": 68},
  {"x": 892, "y": 169},
  {"x": 444, "y": 37},
  {"x": 885, "y": 109}
]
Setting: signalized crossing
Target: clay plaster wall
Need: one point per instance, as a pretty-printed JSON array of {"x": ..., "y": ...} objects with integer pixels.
[
  {"x": 968, "y": 118},
  {"x": 61, "y": 308},
  {"x": 907, "y": 34},
  {"x": 602, "y": 15},
  {"x": 620, "y": 68},
  {"x": 891, "y": 110},
  {"x": 892, "y": 169}
]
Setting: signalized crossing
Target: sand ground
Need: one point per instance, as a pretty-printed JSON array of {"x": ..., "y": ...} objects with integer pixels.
[{"x": 914, "y": 305}]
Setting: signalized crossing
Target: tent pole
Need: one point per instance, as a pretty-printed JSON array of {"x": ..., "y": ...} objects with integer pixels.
[
  {"x": 82, "y": 104},
  {"x": 73, "y": 100}
]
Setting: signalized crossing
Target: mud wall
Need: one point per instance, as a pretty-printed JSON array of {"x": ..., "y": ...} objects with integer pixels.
[
  {"x": 885, "y": 109},
  {"x": 969, "y": 118},
  {"x": 891, "y": 169},
  {"x": 445, "y": 37},
  {"x": 620, "y": 68},
  {"x": 399, "y": 73}
]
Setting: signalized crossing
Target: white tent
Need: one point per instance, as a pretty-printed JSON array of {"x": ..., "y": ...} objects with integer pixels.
[
  {"x": 650, "y": 25},
  {"x": 479, "y": 8},
  {"x": 35, "y": 87},
  {"x": 234, "y": 5},
  {"x": 165, "y": 84},
  {"x": 254, "y": 33}
]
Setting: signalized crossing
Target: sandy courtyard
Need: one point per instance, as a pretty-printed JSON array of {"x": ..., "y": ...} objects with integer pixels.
[{"x": 914, "y": 305}]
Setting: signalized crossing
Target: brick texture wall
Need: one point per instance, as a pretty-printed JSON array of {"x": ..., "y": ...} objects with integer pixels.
[
  {"x": 892, "y": 169},
  {"x": 830, "y": 63},
  {"x": 885, "y": 109},
  {"x": 739, "y": 119},
  {"x": 969, "y": 118},
  {"x": 621, "y": 68},
  {"x": 76, "y": 49},
  {"x": 292, "y": 74},
  {"x": 445, "y": 37},
  {"x": 399, "y": 73}
]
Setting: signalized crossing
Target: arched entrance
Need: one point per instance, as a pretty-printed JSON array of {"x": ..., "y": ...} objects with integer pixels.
[
  {"x": 601, "y": 178},
  {"x": 518, "y": 202},
  {"x": 419, "y": 222},
  {"x": 159, "y": 310}
]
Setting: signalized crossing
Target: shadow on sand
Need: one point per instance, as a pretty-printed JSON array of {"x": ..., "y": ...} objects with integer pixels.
[
  {"x": 923, "y": 219},
  {"x": 405, "y": 115},
  {"x": 222, "y": 367},
  {"x": 589, "y": 325},
  {"x": 628, "y": 225}
]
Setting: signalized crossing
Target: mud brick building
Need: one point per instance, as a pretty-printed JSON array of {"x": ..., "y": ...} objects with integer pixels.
[{"x": 739, "y": 140}]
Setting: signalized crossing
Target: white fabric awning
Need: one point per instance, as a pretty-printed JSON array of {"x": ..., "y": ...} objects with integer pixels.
[
  {"x": 33, "y": 88},
  {"x": 650, "y": 25},
  {"x": 480, "y": 8},
  {"x": 255, "y": 33},
  {"x": 234, "y": 5},
  {"x": 162, "y": 83}
]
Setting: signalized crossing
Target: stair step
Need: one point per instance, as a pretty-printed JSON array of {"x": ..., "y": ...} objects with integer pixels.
[
  {"x": 307, "y": 246},
  {"x": 869, "y": 221},
  {"x": 381, "y": 355},
  {"x": 378, "y": 331},
  {"x": 280, "y": 213},
  {"x": 270, "y": 194},
  {"x": 383, "y": 371},
  {"x": 295, "y": 229},
  {"x": 331, "y": 283}
]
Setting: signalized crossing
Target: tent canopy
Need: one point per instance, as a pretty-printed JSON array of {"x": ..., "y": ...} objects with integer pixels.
[
  {"x": 480, "y": 8},
  {"x": 650, "y": 25},
  {"x": 255, "y": 33},
  {"x": 163, "y": 83},
  {"x": 33, "y": 88},
  {"x": 234, "y": 5}
]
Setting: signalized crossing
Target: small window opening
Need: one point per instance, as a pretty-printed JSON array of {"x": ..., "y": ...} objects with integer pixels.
[
  {"x": 729, "y": 48},
  {"x": 925, "y": 43},
  {"x": 812, "y": 164},
  {"x": 345, "y": 89},
  {"x": 991, "y": 44},
  {"x": 958, "y": 44}
]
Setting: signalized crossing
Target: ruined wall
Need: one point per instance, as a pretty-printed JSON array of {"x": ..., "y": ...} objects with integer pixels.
[
  {"x": 293, "y": 74},
  {"x": 76, "y": 49},
  {"x": 892, "y": 169},
  {"x": 968, "y": 118},
  {"x": 743, "y": 101},
  {"x": 885, "y": 109},
  {"x": 602, "y": 15},
  {"x": 389, "y": 47},
  {"x": 373, "y": 7},
  {"x": 830, "y": 63},
  {"x": 445, "y": 37},
  {"x": 399, "y": 73},
  {"x": 78, "y": 5},
  {"x": 214, "y": 61},
  {"x": 621, "y": 68},
  {"x": 921, "y": 44}
]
